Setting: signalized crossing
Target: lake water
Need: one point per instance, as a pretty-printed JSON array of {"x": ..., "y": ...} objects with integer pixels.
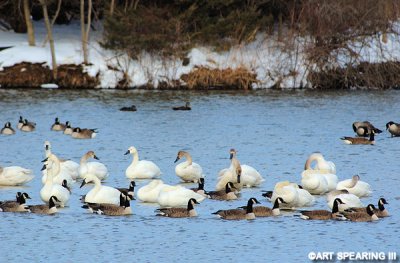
[{"x": 273, "y": 131}]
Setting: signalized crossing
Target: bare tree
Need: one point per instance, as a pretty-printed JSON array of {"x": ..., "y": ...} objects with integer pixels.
[
  {"x": 112, "y": 6},
  {"x": 51, "y": 40},
  {"x": 85, "y": 32},
  {"x": 53, "y": 21},
  {"x": 29, "y": 25}
]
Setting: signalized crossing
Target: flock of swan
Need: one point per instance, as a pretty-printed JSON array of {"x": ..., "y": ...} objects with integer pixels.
[{"x": 318, "y": 178}]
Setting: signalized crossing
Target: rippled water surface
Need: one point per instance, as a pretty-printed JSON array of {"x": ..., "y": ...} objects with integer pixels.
[{"x": 273, "y": 131}]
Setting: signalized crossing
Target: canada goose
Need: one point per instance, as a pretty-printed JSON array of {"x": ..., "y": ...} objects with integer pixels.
[
  {"x": 45, "y": 209},
  {"x": 362, "y": 216},
  {"x": 68, "y": 129},
  {"x": 20, "y": 122},
  {"x": 65, "y": 185},
  {"x": 58, "y": 126},
  {"x": 393, "y": 128},
  {"x": 96, "y": 168},
  {"x": 142, "y": 169},
  {"x": 323, "y": 214},
  {"x": 130, "y": 108},
  {"x": 380, "y": 212},
  {"x": 249, "y": 177},
  {"x": 124, "y": 208},
  {"x": 186, "y": 107},
  {"x": 79, "y": 133},
  {"x": 263, "y": 211},
  {"x": 7, "y": 130},
  {"x": 12, "y": 201},
  {"x": 15, "y": 206},
  {"x": 28, "y": 126},
  {"x": 200, "y": 188},
  {"x": 178, "y": 212},
  {"x": 364, "y": 128},
  {"x": 188, "y": 171},
  {"x": 15, "y": 175},
  {"x": 236, "y": 214},
  {"x": 357, "y": 140},
  {"x": 130, "y": 190},
  {"x": 226, "y": 194}
]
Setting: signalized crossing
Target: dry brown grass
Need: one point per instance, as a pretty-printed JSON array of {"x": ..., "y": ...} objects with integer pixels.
[
  {"x": 207, "y": 78},
  {"x": 33, "y": 75}
]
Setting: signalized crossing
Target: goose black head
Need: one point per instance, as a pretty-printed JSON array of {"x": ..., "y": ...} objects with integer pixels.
[
  {"x": 389, "y": 124},
  {"x": 383, "y": 201}
]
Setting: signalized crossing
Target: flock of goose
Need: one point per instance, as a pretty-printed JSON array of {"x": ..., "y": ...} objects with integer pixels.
[{"x": 318, "y": 178}]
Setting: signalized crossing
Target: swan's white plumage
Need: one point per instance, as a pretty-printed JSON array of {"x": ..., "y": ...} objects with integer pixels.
[
  {"x": 92, "y": 168},
  {"x": 188, "y": 170},
  {"x": 149, "y": 193},
  {"x": 15, "y": 175},
  {"x": 141, "y": 169},
  {"x": 100, "y": 193},
  {"x": 349, "y": 200},
  {"x": 177, "y": 196},
  {"x": 67, "y": 166},
  {"x": 358, "y": 188},
  {"x": 50, "y": 188},
  {"x": 321, "y": 178},
  {"x": 292, "y": 195}
]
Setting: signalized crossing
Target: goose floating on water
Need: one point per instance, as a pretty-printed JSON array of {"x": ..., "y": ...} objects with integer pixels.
[
  {"x": 186, "y": 107},
  {"x": 358, "y": 140},
  {"x": 226, "y": 194},
  {"x": 49, "y": 209},
  {"x": 57, "y": 125},
  {"x": 123, "y": 208},
  {"x": 324, "y": 214},
  {"x": 239, "y": 214},
  {"x": 79, "y": 133},
  {"x": 7, "y": 129},
  {"x": 380, "y": 212},
  {"x": 393, "y": 128},
  {"x": 367, "y": 216},
  {"x": 179, "y": 212}
]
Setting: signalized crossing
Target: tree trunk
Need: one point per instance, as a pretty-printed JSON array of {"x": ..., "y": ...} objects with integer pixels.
[
  {"x": 29, "y": 25},
  {"x": 53, "y": 21},
  {"x": 112, "y": 5},
  {"x": 85, "y": 33},
  {"x": 51, "y": 40}
]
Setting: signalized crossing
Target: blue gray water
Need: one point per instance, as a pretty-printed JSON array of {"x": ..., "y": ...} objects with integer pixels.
[{"x": 273, "y": 131}]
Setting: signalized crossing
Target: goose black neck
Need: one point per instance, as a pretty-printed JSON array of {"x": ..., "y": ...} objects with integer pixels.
[
  {"x": 249, "y": 208},
  {"x": 132, "y": 188},
  {"x": 201, "y": 186},
  {"x": 381, "y": 206},
  {"x": 127, "y": 203},
  {"x": 335, "y": 207},
  {"x": 370, "y": 211},
  {"x": 276, "y": 204},
  {"x": 21, "y": 200},
  {"x": 190, "y": 206},
  {"x": 122, "y": 200},
  {"x": 372, "y": 136},
  {"x": 228, "y": 188},
  {"x": 51, "y": 203}
]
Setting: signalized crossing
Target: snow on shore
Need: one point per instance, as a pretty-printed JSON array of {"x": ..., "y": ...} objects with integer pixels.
[{"x": 265, "y": 56}]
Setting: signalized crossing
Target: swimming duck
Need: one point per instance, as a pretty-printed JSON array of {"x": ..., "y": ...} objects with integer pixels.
[
  {"x": 179, "y": 212},
  {"x": 7, "y": 129},
  {"x": 188, "y": 171},
  {"x": 186, "y": 107},
  {"x": 141, "y": 169},
  {"x": 130, "y": 108}
]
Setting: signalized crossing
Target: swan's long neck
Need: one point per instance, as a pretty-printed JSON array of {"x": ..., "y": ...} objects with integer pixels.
[
  {"x": 47, "y": 151},
  {"x": 188, "y": 159},
  {"x": 84, "y": 159},
  {"x": 311, "y": 159},
  {"x": 135, "y": 159},
  {"x": 49, "y": 178},
  {"x": 56, "y": 166},
  {"x": 353, "y": 182},
  {"x": 97, "y": 182}
]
